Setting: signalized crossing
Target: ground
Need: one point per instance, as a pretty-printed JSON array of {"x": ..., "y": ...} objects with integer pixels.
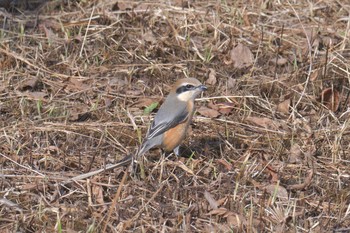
[{"x": 268, "y": 150}]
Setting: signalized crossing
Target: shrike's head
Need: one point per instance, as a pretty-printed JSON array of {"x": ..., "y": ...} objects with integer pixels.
[{"x": 188, "y": 89}]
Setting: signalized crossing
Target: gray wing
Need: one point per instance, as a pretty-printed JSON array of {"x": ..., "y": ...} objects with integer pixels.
[{"x": 169, "y": 115}]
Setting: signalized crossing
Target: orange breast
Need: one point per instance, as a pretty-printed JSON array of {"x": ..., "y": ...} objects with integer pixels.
[{"x": 174, "y": 136}]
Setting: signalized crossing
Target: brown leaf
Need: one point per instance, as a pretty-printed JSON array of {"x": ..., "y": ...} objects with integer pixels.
[
  {"x": 273, "y": 172},
  {"x": 35, "y": 95},
  {"x": 295, "y": 154},
  {"x": 231, "y": 83},
  {"x": 330, "y": 98},
  {"x": 77, "y": 84},
  {"x": 142, "y": 7},
  {"x": 97, "y": 192},
  {"x": 28, "y": 83},
  {"x": 225, "y": 107},
  {"x": 241, "y": 56},
  {"x": 213, "y": 106},
  {"x": 221, "y": 201},
  {"x": 181, "y": 165},
  {"x": 264, "y": 122},
  {"x": 50, "y": 35},
  {"x": 149, "y": 37},
  {"x": 29, "y": 186},
  {"x": 314, "y": 75},
  {"x": 219, "y": 211},
  {"x": 116, "y": 81},
  {"x": 277, "y": 190},
  {"x": 123, "y": 5},
  {"x": 107, "y": 101},
  {"x": 212, "y": 77},
  {"x": 207, "y": 112},
  {"x": 303, "y": 185},
  {"x": 283, "y": 107},
  {"x": 236, "y": 220},
  {"x": 280, "y": 61},
  {"x": 233, "y": 219},
  {"x": 212, "y": 202},
  {"x": 226, "y": 164},
  {"x": 144, "y": 102},
  {"x": 133, "y": 92}
]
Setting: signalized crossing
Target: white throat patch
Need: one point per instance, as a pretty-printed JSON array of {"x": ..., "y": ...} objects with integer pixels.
[{"x": 186, "y": 96}]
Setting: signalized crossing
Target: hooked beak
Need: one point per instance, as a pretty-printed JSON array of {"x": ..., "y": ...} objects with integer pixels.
[{"x": 202, "y": 88}]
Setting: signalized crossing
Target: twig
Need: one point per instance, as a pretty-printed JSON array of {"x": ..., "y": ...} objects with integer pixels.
[
  {"x": 22, "y": 166},
  {"x": 114, "y": 201}
]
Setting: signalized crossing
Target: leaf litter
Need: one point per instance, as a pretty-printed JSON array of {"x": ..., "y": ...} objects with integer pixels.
[{"x": 268, "y": 146}]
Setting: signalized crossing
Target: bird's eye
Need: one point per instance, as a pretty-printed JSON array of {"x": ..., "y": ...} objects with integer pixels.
[{"x": 189, "y": 86}]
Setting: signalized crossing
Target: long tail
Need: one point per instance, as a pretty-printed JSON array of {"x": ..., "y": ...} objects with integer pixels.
[{"x": 121, "y": 163}]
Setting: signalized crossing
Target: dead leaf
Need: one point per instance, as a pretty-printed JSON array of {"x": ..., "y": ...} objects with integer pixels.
[
  {"x": 213, "y": 106},
  {"x": 280, "y": 61},
  {"x": 270, "y": 169},
  {"x": 77, "y": 84},
  {"x": 231, "y": 83},
  {"x": 241, "y": 56},
  {"x": 283, "y": 107},
  {"x": 149, "y": 37},
  {"x": 49, "y": 23},
  {"x": 116, "y": 81},
  {"x": 181, "y": 165},
  {"x": 330, "y": 98},
  {"x": 225, "y": 107},
  {"x": 226, "y": 164},
  {"x": 133, "y": 92},
  {"x": 28, "y": 83},
  {"x": 50, "y": 35},
  {"x": 123, "y": 6},
  {"x": 264, "y": 122},
  {"x": 142, "y": 6},
  {"x": 303, "y": 185},
  {"x": 278, "y": 190},
  {"x": 35, "y": 95},
  {"x": 212, "y": 77},
  {"x": 314, "y": 75},
  {"x": 221, "y": 201},
  {"x": 10, "y": 204},
  {"x": 233, "y": 219},
  {"x": 107, "y": 101},
  {"x": 207, "y": 112},
  {"x": 295, "y": 154},
  {"x": 212, "y": 202},
  {"x": 236, "y": 220},
  {"x": 97, "y": 193},
  {"x": 219, "y": 211},
  {"x": 29, "y": 186}
]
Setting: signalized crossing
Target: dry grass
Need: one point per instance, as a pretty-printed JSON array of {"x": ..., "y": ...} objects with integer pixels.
[{"x": 77, "y": 75}]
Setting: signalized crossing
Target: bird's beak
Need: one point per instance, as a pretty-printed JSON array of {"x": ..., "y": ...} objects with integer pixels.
[{"x": 202, "y": 88}]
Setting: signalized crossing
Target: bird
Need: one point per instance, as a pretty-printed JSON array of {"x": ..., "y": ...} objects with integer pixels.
[{"x": 171, "y": 122}]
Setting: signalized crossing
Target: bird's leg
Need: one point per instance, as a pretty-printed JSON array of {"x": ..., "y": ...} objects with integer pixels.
[
  {"x": 133, "y": 167},
  {"x": 135, "y": 162},
  {"x": 177, "y": 150}
]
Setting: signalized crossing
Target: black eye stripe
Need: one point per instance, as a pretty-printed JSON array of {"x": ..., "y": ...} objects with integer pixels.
[
  {"x": 184, "y": 88},
  {"x": 181, "y": 90}
]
